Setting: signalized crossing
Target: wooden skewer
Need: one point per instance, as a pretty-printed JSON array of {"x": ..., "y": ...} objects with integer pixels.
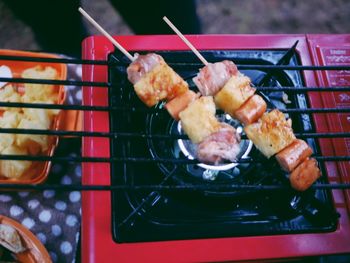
[
  {"x": 104, "y": 32},
  {"x": 184, "y": 39}
]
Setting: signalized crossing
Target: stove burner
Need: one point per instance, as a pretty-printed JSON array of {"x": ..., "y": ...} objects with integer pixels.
[
  {"x": 189, "y": 149},
  {"x": 159, "y": 123},
  {"x": 153, "y": 216}
]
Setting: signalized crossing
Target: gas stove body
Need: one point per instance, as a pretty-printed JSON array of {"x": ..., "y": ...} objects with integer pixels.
[{"x": 235, "y": 226}]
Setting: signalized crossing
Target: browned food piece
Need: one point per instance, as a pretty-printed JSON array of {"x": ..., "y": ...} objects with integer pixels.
[
  {"x": 214, "y": 76},
  {"x": 251, "y": 110},
  {"x": 11, "y": 168},
  {"x": 10, "y": 239},
  {"x": 305, "y": 175},
  {"x": 155, "y": 80},
  {"x": 219, "y": 146},
  {"x": 40, "y": 92},
  {"x": 236, "y": 91},
  {"x": 179, "y": 103},
  {"x": 198, "y": 119},
  {"x": 142, "y": 65},
  {"x": 291, "y": 156},
  {"x": 271, "y": 133},
  {"x": 33, "y": 143}
]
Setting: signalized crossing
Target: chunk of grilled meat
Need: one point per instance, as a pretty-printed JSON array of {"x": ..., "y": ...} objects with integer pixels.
[
  {"x": 251, "y": 110},
  {"x": 154, "y": 80},
  {"x": 305, "y": 175},
  {"x": 214, "y": 76},
  {"x": 219, "y": 146},
  {"x": 179, "y": 103},
  {"x": 291, "y": 156}
]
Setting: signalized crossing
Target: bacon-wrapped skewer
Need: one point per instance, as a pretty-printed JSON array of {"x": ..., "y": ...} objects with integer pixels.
[
  {"x": 235, "y": 96},
  {"x": 270, "y": 132},
  {"x": 214, "y": 76},
  {"x": 155, "y": 81},
  {"x": 216, "y": 141}
]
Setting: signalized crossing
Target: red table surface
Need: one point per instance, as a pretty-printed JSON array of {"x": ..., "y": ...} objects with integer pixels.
[{"x": 97, "y": 243}]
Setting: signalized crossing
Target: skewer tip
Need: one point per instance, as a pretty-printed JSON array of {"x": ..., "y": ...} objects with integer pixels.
[
  {"x": 185, "y": 40},
  {"x": 106, "y": 34}
]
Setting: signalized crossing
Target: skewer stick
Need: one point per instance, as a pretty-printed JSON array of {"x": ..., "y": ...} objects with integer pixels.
[
  {"x": 184, "y": 39},
  {"x": 104, "y": 32}
]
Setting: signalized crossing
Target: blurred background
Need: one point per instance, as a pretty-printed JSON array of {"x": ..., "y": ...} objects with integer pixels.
[{"x": 215, "y": 16}]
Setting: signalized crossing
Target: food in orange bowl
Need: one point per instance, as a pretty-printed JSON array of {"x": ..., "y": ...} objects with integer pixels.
[
  {"x": 21, "y": 243},
  {"x": 13, "y": 171}
]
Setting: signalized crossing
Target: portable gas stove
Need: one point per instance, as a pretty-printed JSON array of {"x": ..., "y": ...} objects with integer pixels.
[{"x": 166, "y": 207}]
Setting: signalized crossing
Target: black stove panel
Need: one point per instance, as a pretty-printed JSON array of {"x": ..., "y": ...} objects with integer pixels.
[{"x": 152, "y": 216}]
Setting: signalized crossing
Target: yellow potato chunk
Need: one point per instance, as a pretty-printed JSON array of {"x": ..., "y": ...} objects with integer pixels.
[
  {"x": 6, "y": 140},
  {"x": 34, "y": 143},
  {"x": 41, "y": 92},
  {"x": 272, "y": 133},
  {"x": 160, "y": 83},
  {"x": 11, "y": 168},
  {"x": 198, "y": 119},
  {"x": 235, "y": 92},
  {"x": 40, "y": 115},
  {"x": 10, "y": 119},
  {"x": 50, "y": 112},
  {"x": 9, "y": 94}
]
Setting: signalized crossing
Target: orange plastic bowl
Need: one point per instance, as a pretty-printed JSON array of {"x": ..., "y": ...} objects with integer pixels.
[
  {"x": 39, "y": 170},
  {"x": 35, "y": 251}
]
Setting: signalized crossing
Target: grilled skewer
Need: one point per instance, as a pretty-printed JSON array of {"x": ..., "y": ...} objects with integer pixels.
[
  {"x": 270, "y": 132},
  {"x": 155, "y": 81}
]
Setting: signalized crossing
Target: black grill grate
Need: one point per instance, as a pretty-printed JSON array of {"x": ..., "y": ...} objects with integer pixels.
[
  {"x": 140, "y": 108},
  {"x": 142, "y": 215}
]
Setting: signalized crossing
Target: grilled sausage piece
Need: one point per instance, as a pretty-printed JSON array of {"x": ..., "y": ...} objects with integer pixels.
[
  {"x": 236, "y": 91},
  {"x": 219, "y": 146},
  {"x": 214, "y": 76},
  {"x": 291, "y": 156},
  {"x": 305, "y": 175},
  {"x": 251, "y": 111},
  {"x": 179, "y": 103},
  {"x": 154, "y": 80}
]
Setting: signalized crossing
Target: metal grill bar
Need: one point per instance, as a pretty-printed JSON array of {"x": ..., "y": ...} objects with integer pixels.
[
  {"x": 106, "y": 84},
  {"x": 143, "y": 110},
  {"x": 140, "y": 159},
  {"x": 303, "y": 89},
  {"x": 55, "y": 60},
  {"x": 56, "y": 82},
  {"x": 184, "y": 187},
  {"x": 123, "y": 135},
  {"x": 55, "y": 106},
  {"x": 106, "y": 63}
]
